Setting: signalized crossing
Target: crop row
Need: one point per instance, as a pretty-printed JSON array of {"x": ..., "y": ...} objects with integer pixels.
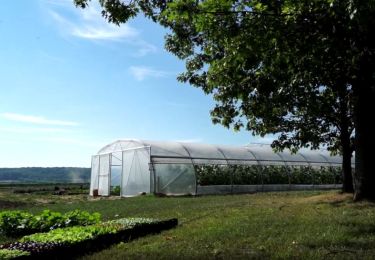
[
  {"x": 63, "y": 243},
  {"x": 18, "y": 223},
  {"x": 272, "y": 174}
]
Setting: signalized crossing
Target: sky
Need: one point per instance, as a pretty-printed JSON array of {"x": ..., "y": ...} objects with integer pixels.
[{"x": 70, "y": 83}]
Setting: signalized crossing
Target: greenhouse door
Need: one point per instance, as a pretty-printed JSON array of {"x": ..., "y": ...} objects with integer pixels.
[
  {"x": 104, "y": 174},
  {"x": 135, "y": 170},
  {"x": 116, "y": 173}
]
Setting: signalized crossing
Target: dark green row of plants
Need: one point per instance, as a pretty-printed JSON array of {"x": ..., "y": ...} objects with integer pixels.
[
  {"x": 66, "y": 242},
  {"x": 72, "y": 235},
  {"x": 271, "y": 174},
  {"x": 12, "y": 253},
  {"x": 115, "y": 190},
  {"x": 45, "y": 189},
  {"x": 17, "y": 223}
]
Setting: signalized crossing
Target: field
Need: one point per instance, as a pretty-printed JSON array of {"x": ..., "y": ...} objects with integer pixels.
[{"x": 283, "y": 225}]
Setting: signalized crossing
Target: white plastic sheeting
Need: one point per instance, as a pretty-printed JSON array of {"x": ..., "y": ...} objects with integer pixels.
[
  {"x": 223, "y": 154},
  {"x": 175, "y": 179},
  {"x": 168, "y": 167},
  {"x": 104, "y": 174},
  {"x": 135, "y": 171},
  {"x": 94, "y": 183}
]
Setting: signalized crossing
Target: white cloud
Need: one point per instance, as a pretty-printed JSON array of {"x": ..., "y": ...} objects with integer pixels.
[
  {"x": 92, "y": 26},
  {"x": 102, "y": 33},
  {"x": 58, "y": 2},
  {"x": 32, "y": 130},
  {"x": 268, "y": 139},
  {"x": 36, "y": 120},
  {"x": 141, "y": 72},
  {"x": 89, "y": 24},
  {"x": 144, "y": 48}
]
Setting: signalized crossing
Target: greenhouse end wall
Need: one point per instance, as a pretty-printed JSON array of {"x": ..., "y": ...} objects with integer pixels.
[{"x": 133, "y": 167}]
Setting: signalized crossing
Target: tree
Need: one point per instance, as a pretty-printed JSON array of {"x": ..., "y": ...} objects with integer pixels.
[{"x": 251, "y": 53}]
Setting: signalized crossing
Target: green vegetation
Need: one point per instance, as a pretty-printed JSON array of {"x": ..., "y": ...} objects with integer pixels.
[
  {"x": 68, "y": 242},
  {"x": 55, "y": 188},
  {"x": 115, "y": 190},
  {"x": 10, "y": 254},
  {"x": 256, "y": 174},
  {"x": 16, "y": 223},
  {"x": 45, "y": 175},
  {"x": 73, "y": 235},
  {"x": 276, "y": 225}
]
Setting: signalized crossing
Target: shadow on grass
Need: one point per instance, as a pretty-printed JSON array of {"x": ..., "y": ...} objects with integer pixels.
[
  {"x": 347, "y": 201},
  {"x": 357, "y": 242},
  {"x": 360, "y": 229}
]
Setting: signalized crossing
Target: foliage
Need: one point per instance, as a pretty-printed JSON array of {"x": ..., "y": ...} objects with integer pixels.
[
  {"x": 16, "y": 223},
  {"x": 76, "y": 234},
  {"x": 12, "y": 253},
  {"x": 115, "y": 190},
  {"x": 71, "y": 238},
  {"x": 13, "y": 223},
  {"x": 272, "y": 174},
  {"x": 83, "y": 218},
  {"x": 213, "y": 174},
  {"x": 67, "y": 188},
  {"x": 301, "y": 175},
  {"x": 31, "y": 247},
  {"x": 327, "y": 175},
  {"x": 247, "y": 174},
  {"x": 131, "y": 222},
  {"x": 69, "y": 235}
]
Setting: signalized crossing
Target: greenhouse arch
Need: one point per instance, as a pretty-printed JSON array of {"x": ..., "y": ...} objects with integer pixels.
[{"x": 133, "y": 167}]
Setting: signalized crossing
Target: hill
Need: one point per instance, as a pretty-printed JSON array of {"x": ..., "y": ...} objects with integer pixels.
[{"x": 45, "y": 175}]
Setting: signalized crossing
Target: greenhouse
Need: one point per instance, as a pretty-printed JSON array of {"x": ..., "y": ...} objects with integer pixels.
[{"x": 132, "y": 167}]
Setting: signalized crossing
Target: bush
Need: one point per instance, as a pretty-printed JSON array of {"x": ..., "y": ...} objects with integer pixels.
[
  {"x": 17, "y": 223},
  {"x": 247, "y": 174},
  {"x": 83, "y": 218},
  {"x": 270, "y": 174},
  {"x": 274, "y": 174},
  {"x": 13, "y": 223},
  {"x": 213, "y": 174},
  {"x": 73, "y": 235},
  {"x": 116, "y": 190},
  {"x": 12, "y": 253},
  {"x": 301, "y": 175}
]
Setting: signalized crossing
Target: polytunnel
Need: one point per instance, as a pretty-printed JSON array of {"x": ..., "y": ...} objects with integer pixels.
[{"x": 133, "y": 167}]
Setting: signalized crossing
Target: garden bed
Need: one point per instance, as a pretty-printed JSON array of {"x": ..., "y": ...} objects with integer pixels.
[
  {"x": 66, "y": 243},
  {"x": 16, "y": 223}
]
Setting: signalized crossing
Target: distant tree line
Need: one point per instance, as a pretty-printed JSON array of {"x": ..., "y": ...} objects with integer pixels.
[{"x": 45, "y": 175}]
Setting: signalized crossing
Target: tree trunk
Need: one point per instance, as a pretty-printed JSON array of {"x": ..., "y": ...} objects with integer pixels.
[
  {"x": 345, "y": 133},
  {"x": 364, "y": 109},
  {"x": 347, "y": 179}
]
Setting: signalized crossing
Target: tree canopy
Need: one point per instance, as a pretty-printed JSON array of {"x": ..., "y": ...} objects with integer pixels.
[{"x": 303, "y": 70}]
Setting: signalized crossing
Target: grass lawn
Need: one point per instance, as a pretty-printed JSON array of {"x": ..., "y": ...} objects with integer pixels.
[{"x": 288, "y": 225}]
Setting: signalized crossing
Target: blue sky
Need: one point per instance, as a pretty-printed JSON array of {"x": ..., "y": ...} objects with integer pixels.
[{"x": 71, "y": 83}]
